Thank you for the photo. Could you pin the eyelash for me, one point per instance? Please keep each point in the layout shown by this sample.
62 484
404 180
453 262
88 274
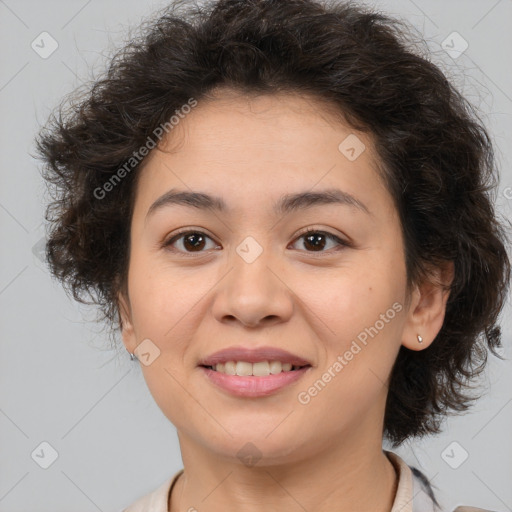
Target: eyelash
186 231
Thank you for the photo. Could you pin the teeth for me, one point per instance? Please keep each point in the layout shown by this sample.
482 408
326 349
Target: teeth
243 368
229 368
260 369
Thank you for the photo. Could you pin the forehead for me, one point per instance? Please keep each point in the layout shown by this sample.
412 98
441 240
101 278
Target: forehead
241 121
255 148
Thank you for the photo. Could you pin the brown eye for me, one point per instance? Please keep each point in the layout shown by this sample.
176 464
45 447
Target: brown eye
191 241
316 241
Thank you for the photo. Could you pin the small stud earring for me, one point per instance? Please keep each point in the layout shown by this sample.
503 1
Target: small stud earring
420 339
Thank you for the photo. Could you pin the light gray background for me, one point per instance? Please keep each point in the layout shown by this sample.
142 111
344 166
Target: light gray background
59 382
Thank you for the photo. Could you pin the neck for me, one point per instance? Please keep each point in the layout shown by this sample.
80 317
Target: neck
343 478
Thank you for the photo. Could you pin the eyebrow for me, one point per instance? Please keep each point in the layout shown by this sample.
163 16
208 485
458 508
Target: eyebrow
286 204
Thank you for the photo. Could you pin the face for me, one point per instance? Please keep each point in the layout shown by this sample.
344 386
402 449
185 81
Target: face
205 279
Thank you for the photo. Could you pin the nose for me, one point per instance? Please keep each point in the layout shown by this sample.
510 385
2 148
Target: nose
253 293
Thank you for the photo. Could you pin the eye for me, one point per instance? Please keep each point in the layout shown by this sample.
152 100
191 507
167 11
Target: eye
191 241
195 241
317 240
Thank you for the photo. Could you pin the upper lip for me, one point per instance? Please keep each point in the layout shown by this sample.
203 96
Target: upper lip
253 356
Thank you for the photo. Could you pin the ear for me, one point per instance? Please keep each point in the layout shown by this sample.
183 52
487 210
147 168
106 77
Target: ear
427 308
127 330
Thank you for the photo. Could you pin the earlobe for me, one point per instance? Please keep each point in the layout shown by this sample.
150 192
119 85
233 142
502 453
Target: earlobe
427 308
126 324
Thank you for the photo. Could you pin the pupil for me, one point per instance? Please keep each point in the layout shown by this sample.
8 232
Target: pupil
312 238
191 237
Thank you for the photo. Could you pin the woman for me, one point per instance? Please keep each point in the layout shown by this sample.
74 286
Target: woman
285 212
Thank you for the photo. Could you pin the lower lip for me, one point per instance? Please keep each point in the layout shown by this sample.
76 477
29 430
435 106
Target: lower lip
252 386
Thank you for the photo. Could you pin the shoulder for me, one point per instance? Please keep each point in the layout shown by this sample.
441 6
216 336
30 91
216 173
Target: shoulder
155 501
426 487
415 493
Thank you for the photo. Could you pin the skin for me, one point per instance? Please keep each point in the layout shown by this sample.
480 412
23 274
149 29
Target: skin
251 151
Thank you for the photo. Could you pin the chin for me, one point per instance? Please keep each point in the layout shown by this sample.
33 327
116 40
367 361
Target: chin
259 446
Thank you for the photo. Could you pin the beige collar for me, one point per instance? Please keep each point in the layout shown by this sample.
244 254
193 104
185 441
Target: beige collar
411 495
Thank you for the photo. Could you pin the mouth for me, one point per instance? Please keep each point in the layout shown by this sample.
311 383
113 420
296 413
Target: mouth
257 369
252 386
255 372
232 360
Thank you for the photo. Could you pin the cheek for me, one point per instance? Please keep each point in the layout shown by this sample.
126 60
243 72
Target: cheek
360 348
362 317
160 296
349 300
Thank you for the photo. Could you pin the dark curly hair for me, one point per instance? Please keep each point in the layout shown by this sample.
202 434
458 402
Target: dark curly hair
436 159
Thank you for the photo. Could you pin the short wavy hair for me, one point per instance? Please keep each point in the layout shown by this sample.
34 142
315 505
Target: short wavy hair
435 154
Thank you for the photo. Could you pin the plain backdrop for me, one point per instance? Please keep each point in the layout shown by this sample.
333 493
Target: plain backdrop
69 402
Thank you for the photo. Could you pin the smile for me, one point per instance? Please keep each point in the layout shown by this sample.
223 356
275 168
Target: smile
253 384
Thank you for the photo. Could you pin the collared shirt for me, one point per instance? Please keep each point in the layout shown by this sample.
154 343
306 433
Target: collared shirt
413 494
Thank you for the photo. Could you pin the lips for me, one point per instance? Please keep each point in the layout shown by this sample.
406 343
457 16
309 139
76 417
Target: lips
253 356
253 387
